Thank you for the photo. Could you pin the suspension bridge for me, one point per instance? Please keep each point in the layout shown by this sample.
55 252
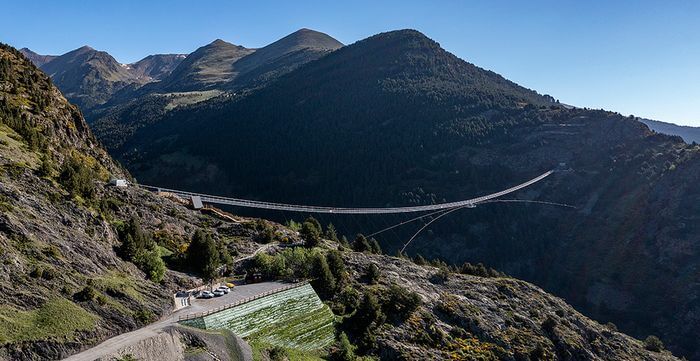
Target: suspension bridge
433 210
467 203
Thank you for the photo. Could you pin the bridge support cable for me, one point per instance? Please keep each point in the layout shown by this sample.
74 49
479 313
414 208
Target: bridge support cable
444 213
341 210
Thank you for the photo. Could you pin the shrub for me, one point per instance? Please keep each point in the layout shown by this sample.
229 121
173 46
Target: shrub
441 276
265 232
139 248
88 293
373 274
152 264
549 324
400 303
344 351
653 343
278 353
144 316
77 178
45 167
374 246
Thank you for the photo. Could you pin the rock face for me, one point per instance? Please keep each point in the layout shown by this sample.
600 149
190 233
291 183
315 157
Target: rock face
468 318
156 67
396 120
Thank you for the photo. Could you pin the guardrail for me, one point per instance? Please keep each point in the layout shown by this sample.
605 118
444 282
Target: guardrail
191 316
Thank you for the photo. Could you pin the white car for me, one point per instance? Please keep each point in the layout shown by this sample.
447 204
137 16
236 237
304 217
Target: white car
206 294
225 289
218 293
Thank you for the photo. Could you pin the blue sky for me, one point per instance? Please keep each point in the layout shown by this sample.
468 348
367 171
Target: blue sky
636 57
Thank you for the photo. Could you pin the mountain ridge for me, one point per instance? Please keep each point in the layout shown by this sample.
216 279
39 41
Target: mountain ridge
395 120
70 284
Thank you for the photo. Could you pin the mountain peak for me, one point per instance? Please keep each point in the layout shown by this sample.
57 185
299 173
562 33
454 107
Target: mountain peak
306 37
85 48
37 59
220 42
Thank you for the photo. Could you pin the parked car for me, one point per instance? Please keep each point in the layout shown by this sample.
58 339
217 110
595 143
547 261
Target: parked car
225 289
230 285
206 294
218 293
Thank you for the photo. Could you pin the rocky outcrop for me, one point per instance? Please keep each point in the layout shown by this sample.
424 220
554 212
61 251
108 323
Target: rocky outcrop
465 317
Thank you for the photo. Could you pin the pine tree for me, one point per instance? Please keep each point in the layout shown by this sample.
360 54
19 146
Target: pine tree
337 266
361 244
310 233
203 255
374 246
325 281
331 233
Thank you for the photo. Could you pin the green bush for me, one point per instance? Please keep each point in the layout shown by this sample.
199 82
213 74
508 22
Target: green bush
361 244
400 303
373 274
311 232
77 178
653 343
88 293
139 248
344 350
324 281
144 316
278 353
337 266
265 233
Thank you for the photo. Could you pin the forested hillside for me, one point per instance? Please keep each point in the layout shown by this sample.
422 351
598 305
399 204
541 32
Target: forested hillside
395 120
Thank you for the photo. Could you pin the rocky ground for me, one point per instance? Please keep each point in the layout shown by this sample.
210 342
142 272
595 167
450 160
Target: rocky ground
467 317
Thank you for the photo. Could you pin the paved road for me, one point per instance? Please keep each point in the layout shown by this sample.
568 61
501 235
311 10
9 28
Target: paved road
113 345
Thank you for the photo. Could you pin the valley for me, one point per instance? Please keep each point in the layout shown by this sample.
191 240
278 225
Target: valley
595 259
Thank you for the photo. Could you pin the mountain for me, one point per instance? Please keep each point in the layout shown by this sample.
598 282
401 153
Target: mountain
88 77
156 67
689 134
207 66
396 120
134 107
35 58
283 56
69 282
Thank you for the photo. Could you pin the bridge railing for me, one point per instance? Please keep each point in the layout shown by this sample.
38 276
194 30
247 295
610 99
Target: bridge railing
191 316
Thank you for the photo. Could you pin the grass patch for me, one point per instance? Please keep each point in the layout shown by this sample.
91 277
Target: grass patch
117 284
57 318
164 252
